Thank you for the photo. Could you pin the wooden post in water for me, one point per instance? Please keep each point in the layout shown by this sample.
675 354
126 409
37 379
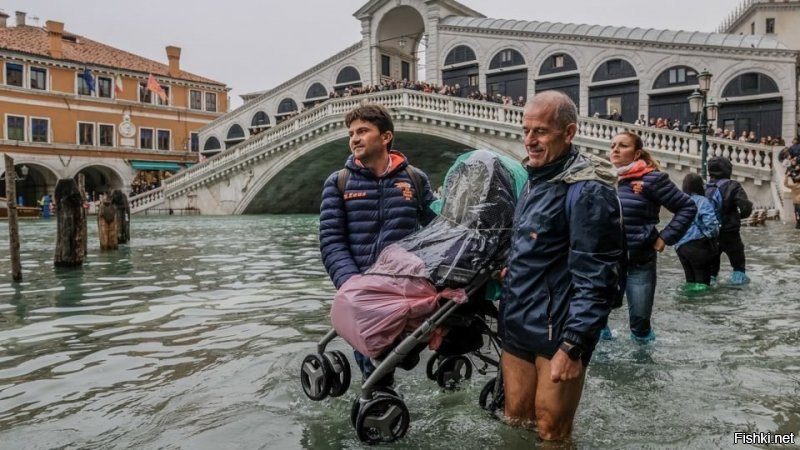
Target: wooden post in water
69 206
84 212
13 229
120 202
107 224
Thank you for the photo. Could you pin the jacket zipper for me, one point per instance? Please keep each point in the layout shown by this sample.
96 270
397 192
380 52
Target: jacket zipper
378 241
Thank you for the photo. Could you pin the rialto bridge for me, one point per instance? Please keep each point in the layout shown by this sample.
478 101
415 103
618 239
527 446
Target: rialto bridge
273 153
281 170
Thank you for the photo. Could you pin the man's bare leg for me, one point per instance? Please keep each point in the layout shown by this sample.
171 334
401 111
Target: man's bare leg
556 403
519 385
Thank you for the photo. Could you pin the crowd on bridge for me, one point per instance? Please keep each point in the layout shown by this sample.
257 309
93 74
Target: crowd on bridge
454 90
722 133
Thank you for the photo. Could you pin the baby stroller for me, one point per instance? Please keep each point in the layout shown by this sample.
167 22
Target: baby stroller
430 286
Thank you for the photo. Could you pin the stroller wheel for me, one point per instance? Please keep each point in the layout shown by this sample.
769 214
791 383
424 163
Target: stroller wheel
432 366
492 397
315 376
382 392
383 419
340 373
452 370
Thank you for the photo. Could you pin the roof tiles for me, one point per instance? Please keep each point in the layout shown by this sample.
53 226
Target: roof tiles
36 41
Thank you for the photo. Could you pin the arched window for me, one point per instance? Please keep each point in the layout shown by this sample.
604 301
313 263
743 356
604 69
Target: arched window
287 106
614 69
235 133
212 143
676 76
750 83
348 75
317 90
260 119
460 54
507 58
558 62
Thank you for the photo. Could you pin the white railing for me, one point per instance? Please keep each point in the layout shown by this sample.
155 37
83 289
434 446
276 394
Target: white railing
146 200
749 160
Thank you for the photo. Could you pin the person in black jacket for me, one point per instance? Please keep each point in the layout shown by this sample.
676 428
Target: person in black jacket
643 189
379 205
732 204
563 268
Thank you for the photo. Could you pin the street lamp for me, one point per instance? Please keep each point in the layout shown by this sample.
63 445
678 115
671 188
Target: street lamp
23 174
704 112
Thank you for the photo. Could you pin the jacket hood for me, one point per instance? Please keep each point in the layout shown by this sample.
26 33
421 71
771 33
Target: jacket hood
719 167
586 167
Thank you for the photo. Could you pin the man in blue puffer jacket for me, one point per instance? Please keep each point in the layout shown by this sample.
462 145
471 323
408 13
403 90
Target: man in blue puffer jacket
563 270
379 205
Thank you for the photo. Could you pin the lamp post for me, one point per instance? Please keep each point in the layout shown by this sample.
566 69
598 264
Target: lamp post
704 112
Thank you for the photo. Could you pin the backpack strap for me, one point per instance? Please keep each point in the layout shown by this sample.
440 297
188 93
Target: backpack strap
342 178
416 180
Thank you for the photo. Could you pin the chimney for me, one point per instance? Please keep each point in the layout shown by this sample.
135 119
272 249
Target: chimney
3 17
20 19
55 31
174 57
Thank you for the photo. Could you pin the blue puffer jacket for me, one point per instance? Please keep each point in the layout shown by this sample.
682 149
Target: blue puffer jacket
643 191
562 271
705 224
375 212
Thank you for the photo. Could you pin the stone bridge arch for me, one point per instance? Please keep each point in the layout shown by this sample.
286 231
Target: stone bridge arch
292 183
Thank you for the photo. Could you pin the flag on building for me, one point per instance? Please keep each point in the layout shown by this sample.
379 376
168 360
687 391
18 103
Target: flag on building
88 78
153 86
118 85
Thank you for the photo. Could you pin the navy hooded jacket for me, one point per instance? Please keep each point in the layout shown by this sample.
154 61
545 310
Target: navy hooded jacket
372 213
643 191
735 204
562 271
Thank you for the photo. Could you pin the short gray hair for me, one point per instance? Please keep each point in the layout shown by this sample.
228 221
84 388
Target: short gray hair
566 112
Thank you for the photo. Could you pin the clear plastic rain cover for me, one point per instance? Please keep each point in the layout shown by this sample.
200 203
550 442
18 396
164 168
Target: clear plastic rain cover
402 288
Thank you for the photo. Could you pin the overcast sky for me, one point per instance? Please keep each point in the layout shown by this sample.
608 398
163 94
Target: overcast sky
255 45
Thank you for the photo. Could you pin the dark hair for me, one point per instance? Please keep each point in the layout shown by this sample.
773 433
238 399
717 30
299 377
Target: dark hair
373 113
693 184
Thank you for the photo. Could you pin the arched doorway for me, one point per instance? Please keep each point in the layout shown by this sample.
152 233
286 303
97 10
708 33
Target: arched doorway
100 180
507 75
33 182
400 44
621 96
460 70
752 102
669 98
559 72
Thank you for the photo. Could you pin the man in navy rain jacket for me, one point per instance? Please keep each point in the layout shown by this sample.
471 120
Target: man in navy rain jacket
563 271
378 207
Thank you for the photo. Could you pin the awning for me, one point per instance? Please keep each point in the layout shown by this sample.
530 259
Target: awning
156 165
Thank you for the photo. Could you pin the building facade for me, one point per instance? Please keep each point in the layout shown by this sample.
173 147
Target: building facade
71 105
635 71
775 18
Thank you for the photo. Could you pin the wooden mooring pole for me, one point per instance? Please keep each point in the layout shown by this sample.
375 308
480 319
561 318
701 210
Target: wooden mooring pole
123 209
84 231
70 215
107 224
13 228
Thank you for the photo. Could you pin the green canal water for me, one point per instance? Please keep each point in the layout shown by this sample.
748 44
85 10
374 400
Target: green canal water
192 336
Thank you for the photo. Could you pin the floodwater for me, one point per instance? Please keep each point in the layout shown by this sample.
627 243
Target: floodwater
192 336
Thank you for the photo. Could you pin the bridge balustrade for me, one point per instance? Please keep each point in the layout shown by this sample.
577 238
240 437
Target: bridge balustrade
671 147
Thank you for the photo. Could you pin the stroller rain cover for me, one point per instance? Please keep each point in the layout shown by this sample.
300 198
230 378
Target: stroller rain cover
402 288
